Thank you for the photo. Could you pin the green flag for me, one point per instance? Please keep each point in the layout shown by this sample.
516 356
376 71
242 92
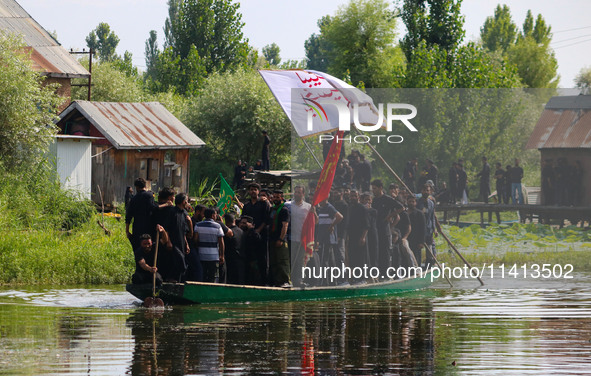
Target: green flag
226 195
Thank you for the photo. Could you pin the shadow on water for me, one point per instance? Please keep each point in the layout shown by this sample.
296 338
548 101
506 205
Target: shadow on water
507 328
369 336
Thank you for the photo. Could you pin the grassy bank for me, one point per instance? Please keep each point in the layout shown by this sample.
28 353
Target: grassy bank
50 236
84 255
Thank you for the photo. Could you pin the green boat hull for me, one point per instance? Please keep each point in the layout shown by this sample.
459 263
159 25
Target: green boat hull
203 293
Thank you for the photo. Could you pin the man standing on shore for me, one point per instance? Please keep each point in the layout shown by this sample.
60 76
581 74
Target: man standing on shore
265 154
484 176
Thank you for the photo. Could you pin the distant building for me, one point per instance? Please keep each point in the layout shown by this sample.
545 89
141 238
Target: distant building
49 58
136 140
564 132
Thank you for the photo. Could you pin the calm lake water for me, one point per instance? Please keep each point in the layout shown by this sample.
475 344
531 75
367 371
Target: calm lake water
508 327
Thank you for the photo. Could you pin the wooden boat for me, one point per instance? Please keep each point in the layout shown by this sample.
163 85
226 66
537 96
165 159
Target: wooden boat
201 292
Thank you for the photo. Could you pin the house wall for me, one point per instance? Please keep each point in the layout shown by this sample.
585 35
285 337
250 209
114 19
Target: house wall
572 155
114 170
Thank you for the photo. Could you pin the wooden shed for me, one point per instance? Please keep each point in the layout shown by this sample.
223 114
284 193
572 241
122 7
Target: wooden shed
138 140
48 57
563 135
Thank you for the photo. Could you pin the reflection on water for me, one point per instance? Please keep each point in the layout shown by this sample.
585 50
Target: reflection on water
368 336
465 331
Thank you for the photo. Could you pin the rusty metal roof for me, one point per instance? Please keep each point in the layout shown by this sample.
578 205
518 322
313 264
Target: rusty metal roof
565 123
147 125
48 56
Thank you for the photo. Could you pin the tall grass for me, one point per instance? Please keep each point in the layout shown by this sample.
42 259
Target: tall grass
50 236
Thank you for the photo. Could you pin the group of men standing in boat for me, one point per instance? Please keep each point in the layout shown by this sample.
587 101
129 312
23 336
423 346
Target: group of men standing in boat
262 246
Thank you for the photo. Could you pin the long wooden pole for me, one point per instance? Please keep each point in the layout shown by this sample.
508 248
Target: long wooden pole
407 188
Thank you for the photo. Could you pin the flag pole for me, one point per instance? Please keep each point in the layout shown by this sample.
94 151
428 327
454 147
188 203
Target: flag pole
408 189
311 152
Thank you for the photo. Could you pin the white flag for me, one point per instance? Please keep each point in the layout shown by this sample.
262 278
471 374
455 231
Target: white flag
312 99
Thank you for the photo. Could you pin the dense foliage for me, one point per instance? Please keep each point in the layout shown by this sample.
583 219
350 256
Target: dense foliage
229 116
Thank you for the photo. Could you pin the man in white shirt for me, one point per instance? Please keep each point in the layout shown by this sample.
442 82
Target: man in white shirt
298 210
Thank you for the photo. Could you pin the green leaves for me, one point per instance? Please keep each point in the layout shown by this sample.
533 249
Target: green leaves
28 108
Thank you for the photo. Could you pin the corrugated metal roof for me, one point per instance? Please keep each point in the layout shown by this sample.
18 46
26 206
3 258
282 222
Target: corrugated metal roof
48 56
147 125
565 123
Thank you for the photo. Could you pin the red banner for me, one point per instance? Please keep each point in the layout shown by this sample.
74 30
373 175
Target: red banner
322 191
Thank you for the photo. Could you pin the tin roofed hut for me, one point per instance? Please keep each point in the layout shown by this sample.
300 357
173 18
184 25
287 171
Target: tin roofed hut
563 136
138 140
48 57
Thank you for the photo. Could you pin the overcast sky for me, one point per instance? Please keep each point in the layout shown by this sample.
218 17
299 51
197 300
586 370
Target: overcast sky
290 23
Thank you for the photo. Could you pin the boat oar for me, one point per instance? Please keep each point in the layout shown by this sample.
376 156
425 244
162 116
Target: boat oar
457 252
437 263
153 301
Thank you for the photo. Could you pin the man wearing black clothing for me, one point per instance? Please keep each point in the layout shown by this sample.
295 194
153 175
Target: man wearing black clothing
140 210
500 182
336 197
507 197
416 238
144 258
177 228
357 227
515 175
279 260
265 152
386 208
410 173
401 222
239 174
233 252
372 232
484 176
452 176
259 211
462 183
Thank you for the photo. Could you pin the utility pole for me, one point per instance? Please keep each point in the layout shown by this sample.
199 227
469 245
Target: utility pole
89 85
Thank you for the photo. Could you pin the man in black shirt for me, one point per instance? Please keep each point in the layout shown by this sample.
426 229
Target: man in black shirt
372 232
516 174
500 182
140 210
259 211
279 260
410 172
386 209
484 176
357 227
265 153
144 258
416 238
233 252
336 197
453 182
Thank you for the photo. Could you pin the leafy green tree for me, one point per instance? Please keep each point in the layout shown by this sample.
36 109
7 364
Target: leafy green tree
110 84
201 37
28 109
536 64
151 53
434 22
528 50
103 41
229 115
499 31
583 80
271 52
359 39
318 48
